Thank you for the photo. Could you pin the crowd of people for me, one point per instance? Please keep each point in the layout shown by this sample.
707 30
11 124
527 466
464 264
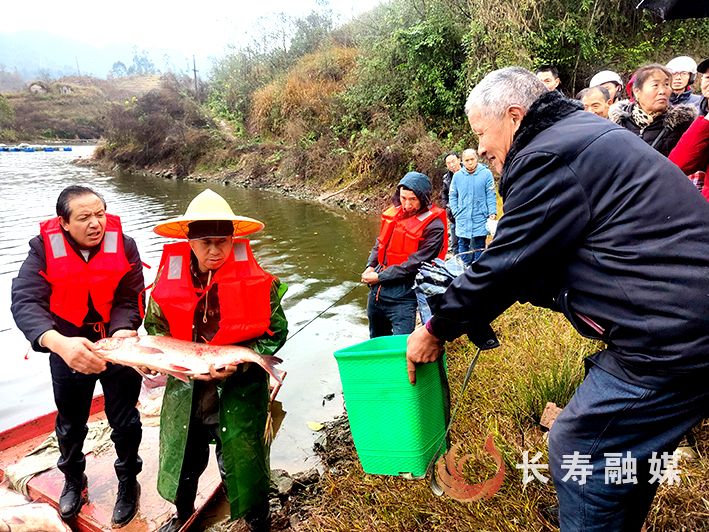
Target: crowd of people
601 223
661 108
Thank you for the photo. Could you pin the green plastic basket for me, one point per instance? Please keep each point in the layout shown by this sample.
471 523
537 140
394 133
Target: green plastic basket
396 427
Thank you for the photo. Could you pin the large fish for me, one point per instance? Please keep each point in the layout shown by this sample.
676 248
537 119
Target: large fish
180 358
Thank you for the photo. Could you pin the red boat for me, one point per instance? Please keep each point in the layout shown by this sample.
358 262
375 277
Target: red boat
95 516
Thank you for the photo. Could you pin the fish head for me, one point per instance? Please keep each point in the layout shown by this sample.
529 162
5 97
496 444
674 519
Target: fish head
115 343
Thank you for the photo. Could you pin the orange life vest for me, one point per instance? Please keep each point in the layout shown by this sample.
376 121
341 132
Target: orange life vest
399 238
244 294
73 280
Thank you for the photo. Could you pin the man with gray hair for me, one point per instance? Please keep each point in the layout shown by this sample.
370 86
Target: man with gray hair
603 228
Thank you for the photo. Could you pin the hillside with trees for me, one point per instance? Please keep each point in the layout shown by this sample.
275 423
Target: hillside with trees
328 106
360 104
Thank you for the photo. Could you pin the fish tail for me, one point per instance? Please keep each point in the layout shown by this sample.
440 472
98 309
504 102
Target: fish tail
272 360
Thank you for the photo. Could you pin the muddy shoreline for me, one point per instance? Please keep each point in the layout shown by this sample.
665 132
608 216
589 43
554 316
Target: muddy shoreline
346 199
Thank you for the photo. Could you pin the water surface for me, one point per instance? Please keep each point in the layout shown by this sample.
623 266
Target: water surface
314 248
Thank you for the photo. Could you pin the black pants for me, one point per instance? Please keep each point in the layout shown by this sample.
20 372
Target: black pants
73 393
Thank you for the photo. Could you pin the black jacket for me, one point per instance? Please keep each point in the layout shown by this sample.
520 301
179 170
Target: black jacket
445 190
669 127
597 224
31 292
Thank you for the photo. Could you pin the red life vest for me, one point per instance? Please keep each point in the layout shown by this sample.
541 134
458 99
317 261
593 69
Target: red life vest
399 238
244 294
73 279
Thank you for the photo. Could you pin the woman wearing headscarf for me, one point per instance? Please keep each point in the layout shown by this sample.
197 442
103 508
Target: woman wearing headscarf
650 116
210 289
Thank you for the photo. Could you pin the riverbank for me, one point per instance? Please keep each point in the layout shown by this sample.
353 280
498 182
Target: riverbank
375 199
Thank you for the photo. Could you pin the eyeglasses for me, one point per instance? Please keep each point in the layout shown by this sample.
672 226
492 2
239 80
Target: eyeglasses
682 74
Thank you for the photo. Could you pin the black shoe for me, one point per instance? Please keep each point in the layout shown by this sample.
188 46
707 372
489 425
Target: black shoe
173 525
259 518
126 503
74 495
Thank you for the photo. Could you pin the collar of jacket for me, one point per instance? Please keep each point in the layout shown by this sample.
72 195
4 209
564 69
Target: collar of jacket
674 116
546 110
72 243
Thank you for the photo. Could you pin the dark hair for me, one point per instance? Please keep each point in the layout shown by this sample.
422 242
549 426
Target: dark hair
548 68
70 193
644 72
449 154
605 92
582 93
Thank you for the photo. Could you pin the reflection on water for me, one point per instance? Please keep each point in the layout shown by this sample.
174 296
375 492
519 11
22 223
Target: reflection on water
315 249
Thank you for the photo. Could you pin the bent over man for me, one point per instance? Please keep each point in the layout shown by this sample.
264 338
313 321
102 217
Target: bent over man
413 231
602 227
81 282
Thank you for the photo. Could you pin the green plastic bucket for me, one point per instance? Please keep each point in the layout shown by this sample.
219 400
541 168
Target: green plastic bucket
396 427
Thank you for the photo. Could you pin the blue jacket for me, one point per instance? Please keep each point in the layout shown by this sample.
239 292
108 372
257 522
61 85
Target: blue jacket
472 201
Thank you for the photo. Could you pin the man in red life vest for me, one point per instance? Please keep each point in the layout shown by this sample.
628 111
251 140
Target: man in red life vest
80 282
413 231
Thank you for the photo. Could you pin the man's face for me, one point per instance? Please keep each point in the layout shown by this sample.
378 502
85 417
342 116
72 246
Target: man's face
453 163
549 80
87 221
680 80
612 87
470 161
211 253
409 202
705 84
495 135
595 103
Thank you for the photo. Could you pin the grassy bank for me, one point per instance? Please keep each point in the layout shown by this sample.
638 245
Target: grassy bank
539 351
73 107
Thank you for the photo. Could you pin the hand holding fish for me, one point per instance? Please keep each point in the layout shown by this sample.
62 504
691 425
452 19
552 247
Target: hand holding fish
220 374
77 352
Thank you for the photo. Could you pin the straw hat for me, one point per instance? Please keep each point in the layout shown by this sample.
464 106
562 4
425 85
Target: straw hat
208 205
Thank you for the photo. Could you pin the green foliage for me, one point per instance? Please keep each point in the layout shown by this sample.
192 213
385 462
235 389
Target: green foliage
7 114
556 384
119 69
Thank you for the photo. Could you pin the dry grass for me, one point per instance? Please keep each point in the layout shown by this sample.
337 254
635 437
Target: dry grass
532 341
305 94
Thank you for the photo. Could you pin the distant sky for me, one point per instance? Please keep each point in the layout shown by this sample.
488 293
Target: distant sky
192 27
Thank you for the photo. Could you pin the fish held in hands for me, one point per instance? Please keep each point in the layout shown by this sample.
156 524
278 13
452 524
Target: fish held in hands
180 358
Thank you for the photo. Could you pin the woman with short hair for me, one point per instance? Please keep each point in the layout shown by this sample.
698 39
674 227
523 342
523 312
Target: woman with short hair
650 116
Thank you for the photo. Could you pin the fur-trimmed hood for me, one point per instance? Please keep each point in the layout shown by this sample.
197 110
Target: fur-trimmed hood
621 111
546 110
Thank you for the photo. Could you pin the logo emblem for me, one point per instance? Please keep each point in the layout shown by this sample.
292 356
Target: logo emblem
454 484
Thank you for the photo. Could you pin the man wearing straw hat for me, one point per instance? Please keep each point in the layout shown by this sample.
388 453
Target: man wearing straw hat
210 289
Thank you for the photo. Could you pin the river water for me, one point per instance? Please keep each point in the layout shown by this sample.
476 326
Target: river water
314 248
